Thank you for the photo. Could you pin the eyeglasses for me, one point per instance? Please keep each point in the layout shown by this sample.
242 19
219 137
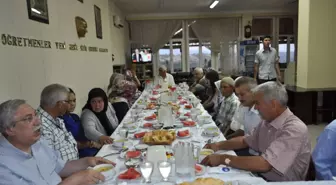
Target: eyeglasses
28 119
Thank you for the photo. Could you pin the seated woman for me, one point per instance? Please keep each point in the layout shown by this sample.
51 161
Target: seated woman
121 93
98 117
213 94
72 122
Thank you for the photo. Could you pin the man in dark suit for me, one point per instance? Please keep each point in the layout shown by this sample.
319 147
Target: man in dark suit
136 57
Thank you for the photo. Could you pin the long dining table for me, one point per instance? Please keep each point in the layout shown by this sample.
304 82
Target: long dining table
196 138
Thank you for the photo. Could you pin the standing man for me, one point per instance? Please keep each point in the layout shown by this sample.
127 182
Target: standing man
266 64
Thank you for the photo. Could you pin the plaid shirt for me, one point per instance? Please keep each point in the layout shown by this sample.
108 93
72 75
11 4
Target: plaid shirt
225 112
57 136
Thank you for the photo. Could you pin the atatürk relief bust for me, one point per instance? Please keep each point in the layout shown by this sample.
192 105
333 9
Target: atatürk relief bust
81 27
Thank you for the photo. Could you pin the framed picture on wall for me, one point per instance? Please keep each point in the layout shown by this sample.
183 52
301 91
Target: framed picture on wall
99 31
38 10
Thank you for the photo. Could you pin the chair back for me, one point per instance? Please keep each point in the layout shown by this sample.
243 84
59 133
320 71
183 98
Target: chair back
311 173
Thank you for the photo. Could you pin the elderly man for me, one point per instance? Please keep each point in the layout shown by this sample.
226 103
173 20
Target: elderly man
200 83
54 103
246 117
281 138
228 106
26 159
165 79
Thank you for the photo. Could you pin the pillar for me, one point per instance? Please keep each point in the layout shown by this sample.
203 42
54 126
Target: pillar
316 63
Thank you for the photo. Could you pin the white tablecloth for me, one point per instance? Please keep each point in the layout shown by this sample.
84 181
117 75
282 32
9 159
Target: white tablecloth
196 136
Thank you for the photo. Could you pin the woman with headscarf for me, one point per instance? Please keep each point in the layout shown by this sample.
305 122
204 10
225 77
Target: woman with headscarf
122 86
121 94
98 118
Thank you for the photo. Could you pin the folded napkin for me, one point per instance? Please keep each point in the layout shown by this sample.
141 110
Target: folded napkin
222 169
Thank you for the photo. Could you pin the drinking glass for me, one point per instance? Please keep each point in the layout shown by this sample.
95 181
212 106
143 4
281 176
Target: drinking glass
164 168
123 133
146 169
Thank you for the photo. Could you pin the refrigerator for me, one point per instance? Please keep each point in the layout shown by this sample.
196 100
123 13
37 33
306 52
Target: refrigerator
248 49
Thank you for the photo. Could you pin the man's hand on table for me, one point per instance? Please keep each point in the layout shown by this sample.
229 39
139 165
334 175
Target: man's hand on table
213 146
84 177
213 160
94 161
105 140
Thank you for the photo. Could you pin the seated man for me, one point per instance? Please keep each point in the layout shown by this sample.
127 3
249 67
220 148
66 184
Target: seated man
164 79
54 103
27 159
246 117
227 108
281 138
324 155
200 84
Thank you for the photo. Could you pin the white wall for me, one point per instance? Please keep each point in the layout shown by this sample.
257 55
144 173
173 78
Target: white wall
25 71
120 46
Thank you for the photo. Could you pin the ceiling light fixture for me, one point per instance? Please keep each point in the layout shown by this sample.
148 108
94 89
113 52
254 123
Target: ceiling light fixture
178 31
213 4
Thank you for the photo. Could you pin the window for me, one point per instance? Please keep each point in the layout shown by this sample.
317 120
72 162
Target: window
286 50
194 55
164 56
206 56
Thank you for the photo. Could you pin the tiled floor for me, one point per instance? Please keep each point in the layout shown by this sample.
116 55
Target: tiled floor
315 131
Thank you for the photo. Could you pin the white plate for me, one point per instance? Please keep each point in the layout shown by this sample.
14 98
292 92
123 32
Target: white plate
202 172
190 134
211 131
119 143
141 147
107 174
122 155
206 152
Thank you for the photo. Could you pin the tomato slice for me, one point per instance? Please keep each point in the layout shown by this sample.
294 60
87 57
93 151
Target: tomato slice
183 133
198 168
139 135
133 154
146 125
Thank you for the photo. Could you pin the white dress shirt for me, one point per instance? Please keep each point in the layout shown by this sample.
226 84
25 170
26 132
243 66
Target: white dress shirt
165 82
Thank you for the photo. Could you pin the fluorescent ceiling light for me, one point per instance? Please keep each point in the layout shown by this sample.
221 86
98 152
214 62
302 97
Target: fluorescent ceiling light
36 11
178 31
213 4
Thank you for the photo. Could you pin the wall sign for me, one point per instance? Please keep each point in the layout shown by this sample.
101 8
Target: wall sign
9 40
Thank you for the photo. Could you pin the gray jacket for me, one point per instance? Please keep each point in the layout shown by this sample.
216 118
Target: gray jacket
93 129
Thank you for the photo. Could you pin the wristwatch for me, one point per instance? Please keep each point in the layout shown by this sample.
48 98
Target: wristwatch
227 161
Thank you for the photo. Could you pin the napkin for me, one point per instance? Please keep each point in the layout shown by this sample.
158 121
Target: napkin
223 169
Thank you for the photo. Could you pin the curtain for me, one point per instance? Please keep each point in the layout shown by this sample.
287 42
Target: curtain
154 33
221 33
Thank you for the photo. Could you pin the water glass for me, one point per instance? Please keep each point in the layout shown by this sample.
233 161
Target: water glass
123 133
146 170
165 169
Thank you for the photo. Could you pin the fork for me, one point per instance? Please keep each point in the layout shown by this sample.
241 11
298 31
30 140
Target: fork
114 153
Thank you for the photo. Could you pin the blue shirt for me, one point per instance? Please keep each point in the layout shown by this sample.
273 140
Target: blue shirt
324 155
20 168
73 125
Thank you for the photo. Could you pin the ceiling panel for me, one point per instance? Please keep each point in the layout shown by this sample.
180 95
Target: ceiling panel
184 6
